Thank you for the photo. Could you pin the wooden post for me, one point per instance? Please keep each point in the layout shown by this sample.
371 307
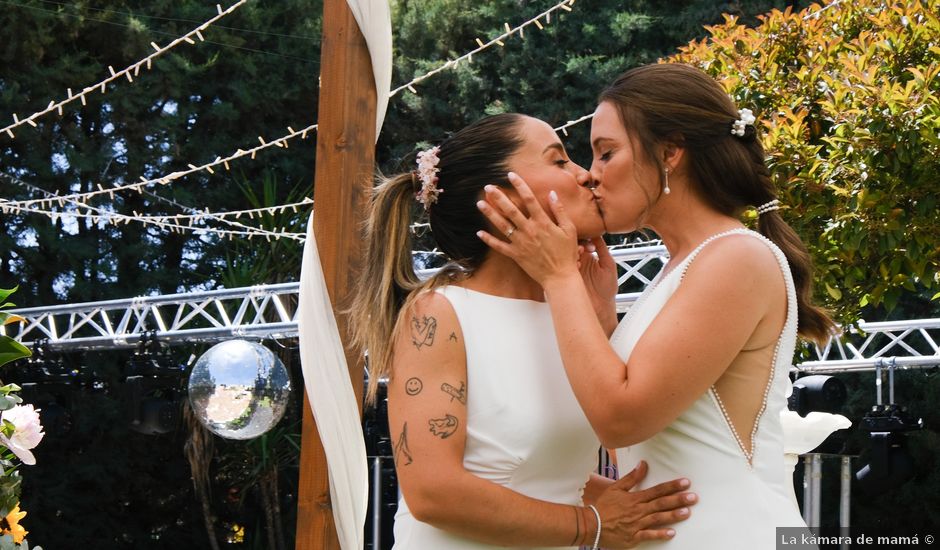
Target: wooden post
345 165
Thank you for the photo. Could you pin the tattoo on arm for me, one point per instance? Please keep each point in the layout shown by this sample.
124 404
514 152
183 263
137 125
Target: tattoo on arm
414 386
460 394
402 454
453 336
422 331
443 427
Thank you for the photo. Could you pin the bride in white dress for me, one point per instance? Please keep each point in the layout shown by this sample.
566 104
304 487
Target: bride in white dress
695 377
490 445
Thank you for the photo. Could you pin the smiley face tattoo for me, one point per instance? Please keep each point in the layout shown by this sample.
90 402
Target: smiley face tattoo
413 386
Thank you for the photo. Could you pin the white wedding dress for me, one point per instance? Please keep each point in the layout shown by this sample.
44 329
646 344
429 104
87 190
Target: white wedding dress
743 497
525 429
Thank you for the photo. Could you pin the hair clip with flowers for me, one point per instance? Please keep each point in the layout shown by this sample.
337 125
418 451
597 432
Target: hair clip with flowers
747 119
427 173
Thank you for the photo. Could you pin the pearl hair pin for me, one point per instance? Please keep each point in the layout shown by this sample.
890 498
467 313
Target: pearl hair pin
768 207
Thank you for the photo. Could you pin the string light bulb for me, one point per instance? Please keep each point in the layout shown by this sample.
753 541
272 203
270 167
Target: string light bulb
57 106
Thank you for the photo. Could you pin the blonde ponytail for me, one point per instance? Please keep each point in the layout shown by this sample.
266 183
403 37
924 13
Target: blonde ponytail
387 275
387 282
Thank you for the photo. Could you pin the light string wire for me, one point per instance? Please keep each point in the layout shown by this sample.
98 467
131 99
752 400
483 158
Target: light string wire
196 216
564 127
282 141
452 63
172 223
167 178
220 216
127 73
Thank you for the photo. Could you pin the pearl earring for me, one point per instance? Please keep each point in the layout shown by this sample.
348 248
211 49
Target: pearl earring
666 189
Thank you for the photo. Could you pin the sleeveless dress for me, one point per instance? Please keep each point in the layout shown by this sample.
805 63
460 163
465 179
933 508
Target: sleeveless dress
525 429
743 497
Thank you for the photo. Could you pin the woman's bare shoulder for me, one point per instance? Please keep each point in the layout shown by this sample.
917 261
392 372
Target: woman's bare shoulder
738 263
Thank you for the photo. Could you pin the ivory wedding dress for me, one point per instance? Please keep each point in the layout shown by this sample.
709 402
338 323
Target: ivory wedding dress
743 497
525 429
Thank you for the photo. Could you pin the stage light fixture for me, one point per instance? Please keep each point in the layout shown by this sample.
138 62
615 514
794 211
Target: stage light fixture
820 393
890 463
44 367
817 393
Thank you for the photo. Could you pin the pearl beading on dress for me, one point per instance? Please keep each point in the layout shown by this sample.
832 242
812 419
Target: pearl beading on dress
791 310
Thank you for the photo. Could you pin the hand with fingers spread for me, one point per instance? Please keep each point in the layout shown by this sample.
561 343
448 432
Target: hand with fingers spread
543 247
631 517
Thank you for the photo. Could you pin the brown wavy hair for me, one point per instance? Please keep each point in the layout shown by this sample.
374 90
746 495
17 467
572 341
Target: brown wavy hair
681 104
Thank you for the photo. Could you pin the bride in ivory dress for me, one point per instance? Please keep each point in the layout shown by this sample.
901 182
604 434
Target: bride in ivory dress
694 378
490 445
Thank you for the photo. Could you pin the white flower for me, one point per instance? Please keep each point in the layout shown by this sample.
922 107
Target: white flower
27 434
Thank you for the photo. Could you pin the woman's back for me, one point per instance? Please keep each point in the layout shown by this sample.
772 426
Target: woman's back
737 465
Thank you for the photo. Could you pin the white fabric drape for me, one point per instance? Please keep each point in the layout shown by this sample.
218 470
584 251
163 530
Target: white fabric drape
322 358
331 396
375 23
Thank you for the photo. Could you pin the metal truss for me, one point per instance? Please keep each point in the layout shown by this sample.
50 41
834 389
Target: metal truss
267 311
898 345
638 267
264 311
270 312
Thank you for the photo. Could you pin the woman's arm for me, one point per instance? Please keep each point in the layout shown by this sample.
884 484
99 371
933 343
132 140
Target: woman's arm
427 415
680 355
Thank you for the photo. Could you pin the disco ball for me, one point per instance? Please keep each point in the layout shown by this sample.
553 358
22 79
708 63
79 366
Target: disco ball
239 389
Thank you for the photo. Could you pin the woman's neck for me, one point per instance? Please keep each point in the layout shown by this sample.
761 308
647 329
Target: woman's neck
501 276
686 223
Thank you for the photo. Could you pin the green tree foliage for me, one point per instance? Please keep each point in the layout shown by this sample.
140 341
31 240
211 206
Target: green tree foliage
255 75
554 74
10 349
850 103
